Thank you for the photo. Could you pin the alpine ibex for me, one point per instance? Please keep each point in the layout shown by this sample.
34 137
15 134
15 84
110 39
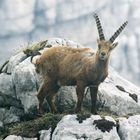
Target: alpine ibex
75 66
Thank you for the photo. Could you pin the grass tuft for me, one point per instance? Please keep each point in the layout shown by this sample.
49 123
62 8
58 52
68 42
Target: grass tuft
82 116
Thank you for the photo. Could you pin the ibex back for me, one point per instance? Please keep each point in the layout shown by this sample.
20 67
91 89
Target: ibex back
75 66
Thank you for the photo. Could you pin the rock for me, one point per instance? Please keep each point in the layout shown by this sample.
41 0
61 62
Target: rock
8 100
1 129
63 42
24 79
11 114
113 99
129 129
14 61
66 99
45 134
1 124
70 129
6 85
13 137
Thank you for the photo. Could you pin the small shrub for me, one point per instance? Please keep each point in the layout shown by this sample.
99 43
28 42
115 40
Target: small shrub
104 125
82 116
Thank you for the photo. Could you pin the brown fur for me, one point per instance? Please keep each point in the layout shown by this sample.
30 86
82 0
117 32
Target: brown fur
72 66
75 66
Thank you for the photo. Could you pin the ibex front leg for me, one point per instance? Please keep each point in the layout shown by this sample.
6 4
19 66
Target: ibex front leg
80 95
93 93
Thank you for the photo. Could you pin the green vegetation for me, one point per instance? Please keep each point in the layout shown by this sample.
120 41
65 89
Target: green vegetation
31 49
83 116
108 113
32 127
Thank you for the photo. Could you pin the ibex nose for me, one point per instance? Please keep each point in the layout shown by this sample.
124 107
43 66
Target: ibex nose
103 53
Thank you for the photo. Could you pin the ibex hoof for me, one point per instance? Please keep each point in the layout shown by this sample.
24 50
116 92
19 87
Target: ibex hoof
40 113
77 110
94 112
54 112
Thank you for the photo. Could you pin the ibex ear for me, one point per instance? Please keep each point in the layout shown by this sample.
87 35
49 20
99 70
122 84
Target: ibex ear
114 45
34 57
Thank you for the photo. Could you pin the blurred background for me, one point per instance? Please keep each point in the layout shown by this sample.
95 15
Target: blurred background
27 21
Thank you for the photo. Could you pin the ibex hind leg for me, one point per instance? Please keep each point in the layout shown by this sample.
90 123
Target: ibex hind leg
93 93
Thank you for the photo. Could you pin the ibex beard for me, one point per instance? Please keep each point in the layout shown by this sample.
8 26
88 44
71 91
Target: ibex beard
80 67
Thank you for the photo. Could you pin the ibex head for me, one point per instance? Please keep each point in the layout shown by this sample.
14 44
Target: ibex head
106 46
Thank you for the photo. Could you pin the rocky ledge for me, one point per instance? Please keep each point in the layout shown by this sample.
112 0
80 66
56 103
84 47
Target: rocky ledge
18 88
94 127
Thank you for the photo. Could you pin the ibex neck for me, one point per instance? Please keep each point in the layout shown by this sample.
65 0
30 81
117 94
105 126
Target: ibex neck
102 67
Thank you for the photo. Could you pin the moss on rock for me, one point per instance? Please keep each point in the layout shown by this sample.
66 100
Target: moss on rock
31 128
83 116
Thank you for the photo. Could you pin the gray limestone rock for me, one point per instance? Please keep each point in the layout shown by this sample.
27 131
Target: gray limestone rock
14 137
24 79
10 114
45 134
69 128
118 100
129 128
6 85
14 61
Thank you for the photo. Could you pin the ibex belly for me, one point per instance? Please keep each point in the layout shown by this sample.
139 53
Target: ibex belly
66 82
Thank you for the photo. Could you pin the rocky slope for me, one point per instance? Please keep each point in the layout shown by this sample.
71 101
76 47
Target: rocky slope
93 127
25 21
18 88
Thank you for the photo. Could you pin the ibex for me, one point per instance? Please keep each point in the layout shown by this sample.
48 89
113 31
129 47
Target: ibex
75 66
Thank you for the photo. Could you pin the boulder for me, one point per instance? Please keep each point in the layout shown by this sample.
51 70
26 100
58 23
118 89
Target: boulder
1 124
45 134
14 137
93 128
63 42
24 79
129 128
66 98
118 95
6 85
7 101
10 115
14 61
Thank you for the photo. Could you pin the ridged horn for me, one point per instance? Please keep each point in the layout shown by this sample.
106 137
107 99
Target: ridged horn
116 34
99 27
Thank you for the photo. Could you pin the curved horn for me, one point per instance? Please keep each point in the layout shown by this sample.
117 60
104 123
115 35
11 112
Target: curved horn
99 27
118 32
